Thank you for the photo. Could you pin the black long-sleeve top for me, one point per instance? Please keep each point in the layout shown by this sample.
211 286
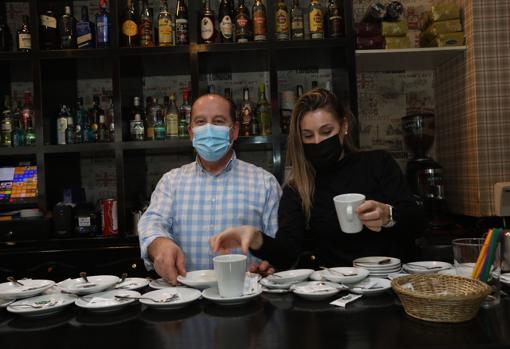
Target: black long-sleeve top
372 173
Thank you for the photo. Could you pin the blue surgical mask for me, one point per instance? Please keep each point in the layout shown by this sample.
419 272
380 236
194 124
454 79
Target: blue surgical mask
211 141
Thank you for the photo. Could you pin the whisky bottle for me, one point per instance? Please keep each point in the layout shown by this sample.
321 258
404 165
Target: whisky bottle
259 21
282 21
264 112
102 26
62 125
246 114
225 21
242 23
172 118
165 26
48 32
66 28
102 130
18 138
184 114
316 20
24 37
335 20
146 27
181 23
136 128
81 117
207 27
70 134
297 21
129 30
286 107
84 30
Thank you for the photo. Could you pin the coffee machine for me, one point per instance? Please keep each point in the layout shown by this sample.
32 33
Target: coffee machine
423 174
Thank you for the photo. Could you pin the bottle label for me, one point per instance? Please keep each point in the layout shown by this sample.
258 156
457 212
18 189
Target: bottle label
25 41
84 36
297 26
84 222
146 32
172 124
48 21
61 130
102 29
259 25
6 127
206 28
316 23
246 114
226 27
282 22
181 30
129 28
165 32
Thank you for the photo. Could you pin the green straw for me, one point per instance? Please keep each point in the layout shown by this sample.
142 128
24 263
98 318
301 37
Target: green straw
491 254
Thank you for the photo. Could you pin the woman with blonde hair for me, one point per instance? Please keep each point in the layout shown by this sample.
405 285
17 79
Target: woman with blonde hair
324 163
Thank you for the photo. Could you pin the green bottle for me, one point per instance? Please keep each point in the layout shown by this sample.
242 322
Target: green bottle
264 112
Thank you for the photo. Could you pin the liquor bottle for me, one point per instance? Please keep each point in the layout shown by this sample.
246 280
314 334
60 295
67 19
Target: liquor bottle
335 20
84 30
48 30
207 27
246 114
136 129
225 20
159 121
62 125
243 23
24 37
81 117
316 20
374 13
6 129
26 110
66 29
181 23
146 27
30 136
102 26
282 21
287 105
102 130
264 112
394 11
5 32
297 21
185 108
129 31
172 118
165 26
259 21
70 133
94 113
299 90
111 132
110 122
18 133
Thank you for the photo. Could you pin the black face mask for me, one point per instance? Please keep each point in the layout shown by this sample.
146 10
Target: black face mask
324 154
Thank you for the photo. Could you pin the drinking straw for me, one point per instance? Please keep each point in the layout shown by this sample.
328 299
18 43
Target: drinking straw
484 257
491 255
483 252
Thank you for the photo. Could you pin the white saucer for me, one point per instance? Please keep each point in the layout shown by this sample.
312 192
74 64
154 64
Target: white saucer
275 290
273 285
106 301
79 286
334 274
159 284
30 288
371 263
396 275
426 267
316 290
212 294
199 279
50 304
132 284
295 275
5 302
186 295
385 285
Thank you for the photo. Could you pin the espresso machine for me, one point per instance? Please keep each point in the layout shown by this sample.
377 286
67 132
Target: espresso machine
423 174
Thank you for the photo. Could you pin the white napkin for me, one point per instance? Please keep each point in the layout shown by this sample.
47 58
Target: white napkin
343 301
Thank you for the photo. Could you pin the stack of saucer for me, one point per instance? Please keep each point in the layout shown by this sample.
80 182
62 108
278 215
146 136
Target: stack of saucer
379 266
282 281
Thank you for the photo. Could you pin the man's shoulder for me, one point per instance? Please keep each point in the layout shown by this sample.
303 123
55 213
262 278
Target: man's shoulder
254 170
178 172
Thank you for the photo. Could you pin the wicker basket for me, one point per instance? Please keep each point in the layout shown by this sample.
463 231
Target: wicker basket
440 298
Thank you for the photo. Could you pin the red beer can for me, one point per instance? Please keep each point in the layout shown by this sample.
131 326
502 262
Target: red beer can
109 216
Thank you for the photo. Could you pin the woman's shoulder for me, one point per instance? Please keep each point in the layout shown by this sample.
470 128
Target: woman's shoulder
377 156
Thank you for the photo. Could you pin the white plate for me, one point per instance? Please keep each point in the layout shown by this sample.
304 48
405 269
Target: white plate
396 275
334 274
316 290
385 285
30 288
212 294
106 301
448 272
58 302
5 302
296 275
426 267
159 284
275 290
186 295
199 279
370 263
273 285
132 284
78 285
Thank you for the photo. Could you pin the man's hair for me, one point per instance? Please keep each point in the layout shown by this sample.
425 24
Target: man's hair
231 105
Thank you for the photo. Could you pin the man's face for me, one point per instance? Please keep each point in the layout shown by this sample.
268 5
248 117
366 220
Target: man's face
214 110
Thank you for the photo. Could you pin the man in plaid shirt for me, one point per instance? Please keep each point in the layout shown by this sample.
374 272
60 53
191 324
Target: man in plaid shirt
196 201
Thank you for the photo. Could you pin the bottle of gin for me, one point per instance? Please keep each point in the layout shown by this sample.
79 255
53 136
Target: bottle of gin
84 30
102 26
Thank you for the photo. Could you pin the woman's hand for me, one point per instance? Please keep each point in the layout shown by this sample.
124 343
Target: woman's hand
245 237
373 214
264 268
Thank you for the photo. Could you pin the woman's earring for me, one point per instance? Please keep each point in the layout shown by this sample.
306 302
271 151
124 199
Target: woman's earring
345 133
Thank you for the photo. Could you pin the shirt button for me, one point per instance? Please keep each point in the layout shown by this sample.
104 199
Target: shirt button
213 199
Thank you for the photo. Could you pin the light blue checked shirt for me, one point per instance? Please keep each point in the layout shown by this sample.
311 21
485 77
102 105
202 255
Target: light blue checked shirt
189 206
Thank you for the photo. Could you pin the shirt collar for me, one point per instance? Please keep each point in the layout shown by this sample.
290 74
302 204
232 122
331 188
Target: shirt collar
228 167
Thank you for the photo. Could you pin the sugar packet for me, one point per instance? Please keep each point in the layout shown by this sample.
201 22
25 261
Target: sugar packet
343 301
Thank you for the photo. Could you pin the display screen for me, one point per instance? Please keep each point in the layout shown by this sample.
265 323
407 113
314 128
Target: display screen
18 184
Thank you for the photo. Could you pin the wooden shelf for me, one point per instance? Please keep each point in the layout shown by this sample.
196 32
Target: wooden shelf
15 56
9 151
405 59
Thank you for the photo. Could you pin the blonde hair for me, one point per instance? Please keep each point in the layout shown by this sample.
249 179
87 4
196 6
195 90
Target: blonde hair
302 174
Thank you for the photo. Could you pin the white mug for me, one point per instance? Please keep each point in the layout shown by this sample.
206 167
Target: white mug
345 206
230 272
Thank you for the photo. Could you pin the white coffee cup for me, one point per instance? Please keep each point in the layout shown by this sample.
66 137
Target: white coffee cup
230 272
345 206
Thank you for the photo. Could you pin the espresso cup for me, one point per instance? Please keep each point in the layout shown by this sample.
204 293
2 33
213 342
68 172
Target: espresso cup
230 272
345 206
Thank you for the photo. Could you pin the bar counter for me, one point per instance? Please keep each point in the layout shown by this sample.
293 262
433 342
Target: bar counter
271 321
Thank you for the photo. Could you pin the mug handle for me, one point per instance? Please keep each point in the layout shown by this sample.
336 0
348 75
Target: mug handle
349 213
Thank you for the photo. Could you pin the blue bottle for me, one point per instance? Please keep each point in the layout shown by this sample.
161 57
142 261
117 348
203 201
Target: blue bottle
84 30
102 26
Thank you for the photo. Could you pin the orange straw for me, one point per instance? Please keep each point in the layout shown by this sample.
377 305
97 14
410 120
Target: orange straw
481 257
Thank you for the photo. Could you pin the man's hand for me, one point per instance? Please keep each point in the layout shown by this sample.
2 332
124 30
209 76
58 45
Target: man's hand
168 259
373 214
245 237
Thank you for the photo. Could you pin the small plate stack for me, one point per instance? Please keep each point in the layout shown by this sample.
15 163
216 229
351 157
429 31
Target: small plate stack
282 281
426 267
379 266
